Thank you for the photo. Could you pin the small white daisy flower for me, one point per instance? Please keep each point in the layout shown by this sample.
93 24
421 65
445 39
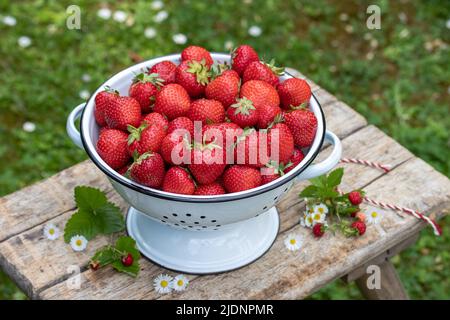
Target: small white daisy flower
28 126
309 221
150 33
229 45
447 24
51 231
24 41
84 94
293 242
254 31
86 77
104 13
180 282
78 243
160 16
9 21
157 5
318 217
373 217
162 283
179 38
120 16
320 208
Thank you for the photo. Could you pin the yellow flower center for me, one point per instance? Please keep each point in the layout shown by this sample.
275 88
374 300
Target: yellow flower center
310 220
374 214
51 231
317 216
79 242
321 210
164 283
292 241
311 210
180 282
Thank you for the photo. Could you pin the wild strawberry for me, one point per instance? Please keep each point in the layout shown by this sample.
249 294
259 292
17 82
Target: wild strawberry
148 169
176 148
207 162
241 57
165 70
258 70
103 101
319 230
280 135
360 216
193 76
355 198
207 111
243 113
239 178
156 118
260 93
267 115
296 157
144 89
145 138
196 53
172 101
360 226
294 92
127 260
178 180
112 147
224 88
122 112
211 189
94 265
303 125
181 123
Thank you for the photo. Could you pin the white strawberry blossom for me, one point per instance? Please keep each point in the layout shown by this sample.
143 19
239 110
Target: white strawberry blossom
179 38
320 208
9 21
120 16
28 126
254 31
104 13
157 5
150 33
161 16
24 41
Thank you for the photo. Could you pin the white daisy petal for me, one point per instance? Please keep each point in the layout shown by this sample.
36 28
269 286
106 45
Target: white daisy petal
104 13
309 221
157 5
51 232
254 31
84 94
120 16
293 242
179 38
321 208
78 243
150 33
162 283
373 216
160 16
9 21
24 41
28 126
180 282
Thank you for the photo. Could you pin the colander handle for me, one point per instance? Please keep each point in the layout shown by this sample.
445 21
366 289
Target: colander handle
329 163
72 130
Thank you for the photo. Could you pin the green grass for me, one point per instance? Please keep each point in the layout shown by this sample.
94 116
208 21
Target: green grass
397 77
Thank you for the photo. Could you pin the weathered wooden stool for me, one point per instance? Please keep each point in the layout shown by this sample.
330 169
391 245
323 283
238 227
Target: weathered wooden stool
44 269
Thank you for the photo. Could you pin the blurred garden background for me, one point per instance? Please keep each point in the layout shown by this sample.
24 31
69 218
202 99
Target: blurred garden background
398 77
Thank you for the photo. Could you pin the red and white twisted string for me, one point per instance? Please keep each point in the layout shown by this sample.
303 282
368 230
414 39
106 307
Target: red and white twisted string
386 168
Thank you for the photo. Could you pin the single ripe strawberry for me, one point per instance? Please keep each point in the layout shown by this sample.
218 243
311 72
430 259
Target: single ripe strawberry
243 113
211 189
145 138
258 70
144 89
193 76
359 226
224 135
207 163
355 198
172 101
103 100
94 265
207 111
267 115
296 157
165 70
303 126
239 178
123 111
260 93
294 92
196 53
319 230
148 170
176 148
280 143
251 148
241 57
156 118
178 180
224 88
127 260
231 72
112 148
181 123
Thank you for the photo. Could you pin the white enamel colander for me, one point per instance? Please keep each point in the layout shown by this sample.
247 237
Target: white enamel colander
236 228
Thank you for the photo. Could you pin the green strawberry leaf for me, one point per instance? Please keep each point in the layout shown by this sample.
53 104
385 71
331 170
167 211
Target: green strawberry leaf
89 199
109 219
309 192
105 256
81 223
335 177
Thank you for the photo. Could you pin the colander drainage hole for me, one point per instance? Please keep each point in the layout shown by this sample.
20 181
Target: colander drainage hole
212 221
174 214
275 199
182 221
218 226
163 221
265 208
285 189
196 222
202 217
177 224
204 227
165 217
188 214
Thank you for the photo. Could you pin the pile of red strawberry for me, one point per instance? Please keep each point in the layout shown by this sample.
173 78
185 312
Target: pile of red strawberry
140 132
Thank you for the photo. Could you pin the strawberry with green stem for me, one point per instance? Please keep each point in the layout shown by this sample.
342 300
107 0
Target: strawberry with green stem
148 169
193 76
144 89
259 70
243 113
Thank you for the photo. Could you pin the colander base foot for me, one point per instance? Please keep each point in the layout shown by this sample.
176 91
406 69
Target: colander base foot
203 252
